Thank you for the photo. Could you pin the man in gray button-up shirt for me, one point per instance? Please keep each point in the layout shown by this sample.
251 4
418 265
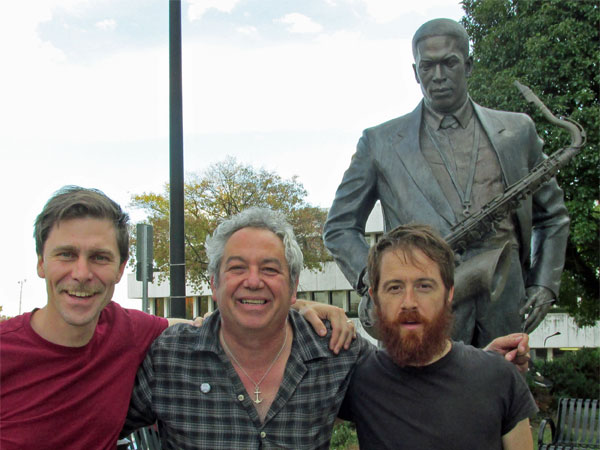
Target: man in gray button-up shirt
254 375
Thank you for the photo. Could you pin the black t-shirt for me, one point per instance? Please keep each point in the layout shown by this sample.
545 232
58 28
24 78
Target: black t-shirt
467 400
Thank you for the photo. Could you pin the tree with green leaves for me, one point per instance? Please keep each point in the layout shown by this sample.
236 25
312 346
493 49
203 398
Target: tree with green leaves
552 47
2 316
222 190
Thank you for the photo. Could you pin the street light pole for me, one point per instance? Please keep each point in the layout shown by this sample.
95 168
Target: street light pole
552 335
176 176
21 283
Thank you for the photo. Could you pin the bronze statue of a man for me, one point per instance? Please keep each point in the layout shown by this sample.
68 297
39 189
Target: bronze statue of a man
441 162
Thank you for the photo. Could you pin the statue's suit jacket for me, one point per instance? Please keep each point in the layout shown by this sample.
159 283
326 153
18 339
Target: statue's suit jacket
389 166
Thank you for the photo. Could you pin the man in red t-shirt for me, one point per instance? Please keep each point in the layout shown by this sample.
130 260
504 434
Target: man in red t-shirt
67 369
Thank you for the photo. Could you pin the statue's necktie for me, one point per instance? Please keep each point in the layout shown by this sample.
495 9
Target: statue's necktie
448 122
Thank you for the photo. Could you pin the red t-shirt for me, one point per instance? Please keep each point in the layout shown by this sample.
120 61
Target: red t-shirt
58 398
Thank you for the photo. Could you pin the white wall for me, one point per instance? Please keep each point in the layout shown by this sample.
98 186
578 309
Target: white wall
570 334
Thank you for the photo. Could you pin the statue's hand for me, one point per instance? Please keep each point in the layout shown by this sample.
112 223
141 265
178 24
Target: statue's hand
539 301
366 308
363 283
366 314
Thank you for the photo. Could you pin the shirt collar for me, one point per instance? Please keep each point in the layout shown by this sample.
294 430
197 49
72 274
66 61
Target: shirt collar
462 115
307 341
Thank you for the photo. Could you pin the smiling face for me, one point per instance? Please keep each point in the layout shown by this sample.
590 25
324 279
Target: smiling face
442 70
81 265
413 307
253 291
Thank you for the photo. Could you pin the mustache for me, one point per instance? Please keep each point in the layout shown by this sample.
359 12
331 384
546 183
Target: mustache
409 316
82 288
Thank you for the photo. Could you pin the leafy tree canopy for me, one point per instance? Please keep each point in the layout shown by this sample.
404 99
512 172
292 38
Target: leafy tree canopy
552 47
222 190
2 316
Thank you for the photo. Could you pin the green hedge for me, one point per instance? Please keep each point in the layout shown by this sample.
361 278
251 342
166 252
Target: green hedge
573 374
344 435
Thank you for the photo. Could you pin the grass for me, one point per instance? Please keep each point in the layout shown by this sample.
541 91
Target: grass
535 426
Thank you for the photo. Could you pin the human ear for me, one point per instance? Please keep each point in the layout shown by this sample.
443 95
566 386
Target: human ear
40 267
414 66
468 66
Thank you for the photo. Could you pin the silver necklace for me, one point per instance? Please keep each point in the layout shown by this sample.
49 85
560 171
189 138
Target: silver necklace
257 392
465 196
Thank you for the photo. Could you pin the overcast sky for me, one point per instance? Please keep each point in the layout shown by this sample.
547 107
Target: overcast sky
284 85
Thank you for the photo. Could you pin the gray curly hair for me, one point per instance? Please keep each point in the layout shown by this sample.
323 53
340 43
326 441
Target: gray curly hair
255 217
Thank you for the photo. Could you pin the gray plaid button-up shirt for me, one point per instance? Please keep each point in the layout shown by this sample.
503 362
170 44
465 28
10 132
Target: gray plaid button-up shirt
188 385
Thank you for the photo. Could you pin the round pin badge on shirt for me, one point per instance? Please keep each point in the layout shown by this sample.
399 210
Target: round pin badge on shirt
205 388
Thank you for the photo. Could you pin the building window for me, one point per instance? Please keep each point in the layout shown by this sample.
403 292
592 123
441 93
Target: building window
354 301
203 305
338 298
321 297
303 295
159 307
189 307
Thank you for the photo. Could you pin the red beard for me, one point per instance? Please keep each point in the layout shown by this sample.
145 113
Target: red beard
415 348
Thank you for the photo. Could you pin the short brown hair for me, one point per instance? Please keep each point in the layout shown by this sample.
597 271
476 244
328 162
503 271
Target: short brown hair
408 238
74 202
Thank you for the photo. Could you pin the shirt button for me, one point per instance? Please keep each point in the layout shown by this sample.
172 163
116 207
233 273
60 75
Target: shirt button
241 398
263 434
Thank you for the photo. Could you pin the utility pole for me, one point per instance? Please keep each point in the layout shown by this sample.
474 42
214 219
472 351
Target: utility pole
21 283
176 232
144 255
556 333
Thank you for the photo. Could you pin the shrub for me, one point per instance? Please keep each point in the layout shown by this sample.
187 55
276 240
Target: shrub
573 374
344 434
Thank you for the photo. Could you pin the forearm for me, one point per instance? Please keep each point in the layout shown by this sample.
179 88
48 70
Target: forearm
344 231
349 250
519 438
301 304
549 232
175 320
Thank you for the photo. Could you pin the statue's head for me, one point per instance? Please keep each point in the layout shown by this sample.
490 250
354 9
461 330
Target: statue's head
442 63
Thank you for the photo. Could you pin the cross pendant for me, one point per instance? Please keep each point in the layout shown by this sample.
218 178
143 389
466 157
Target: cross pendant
256 392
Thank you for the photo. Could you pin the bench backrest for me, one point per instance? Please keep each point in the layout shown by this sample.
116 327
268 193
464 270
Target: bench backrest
578 421
146 439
